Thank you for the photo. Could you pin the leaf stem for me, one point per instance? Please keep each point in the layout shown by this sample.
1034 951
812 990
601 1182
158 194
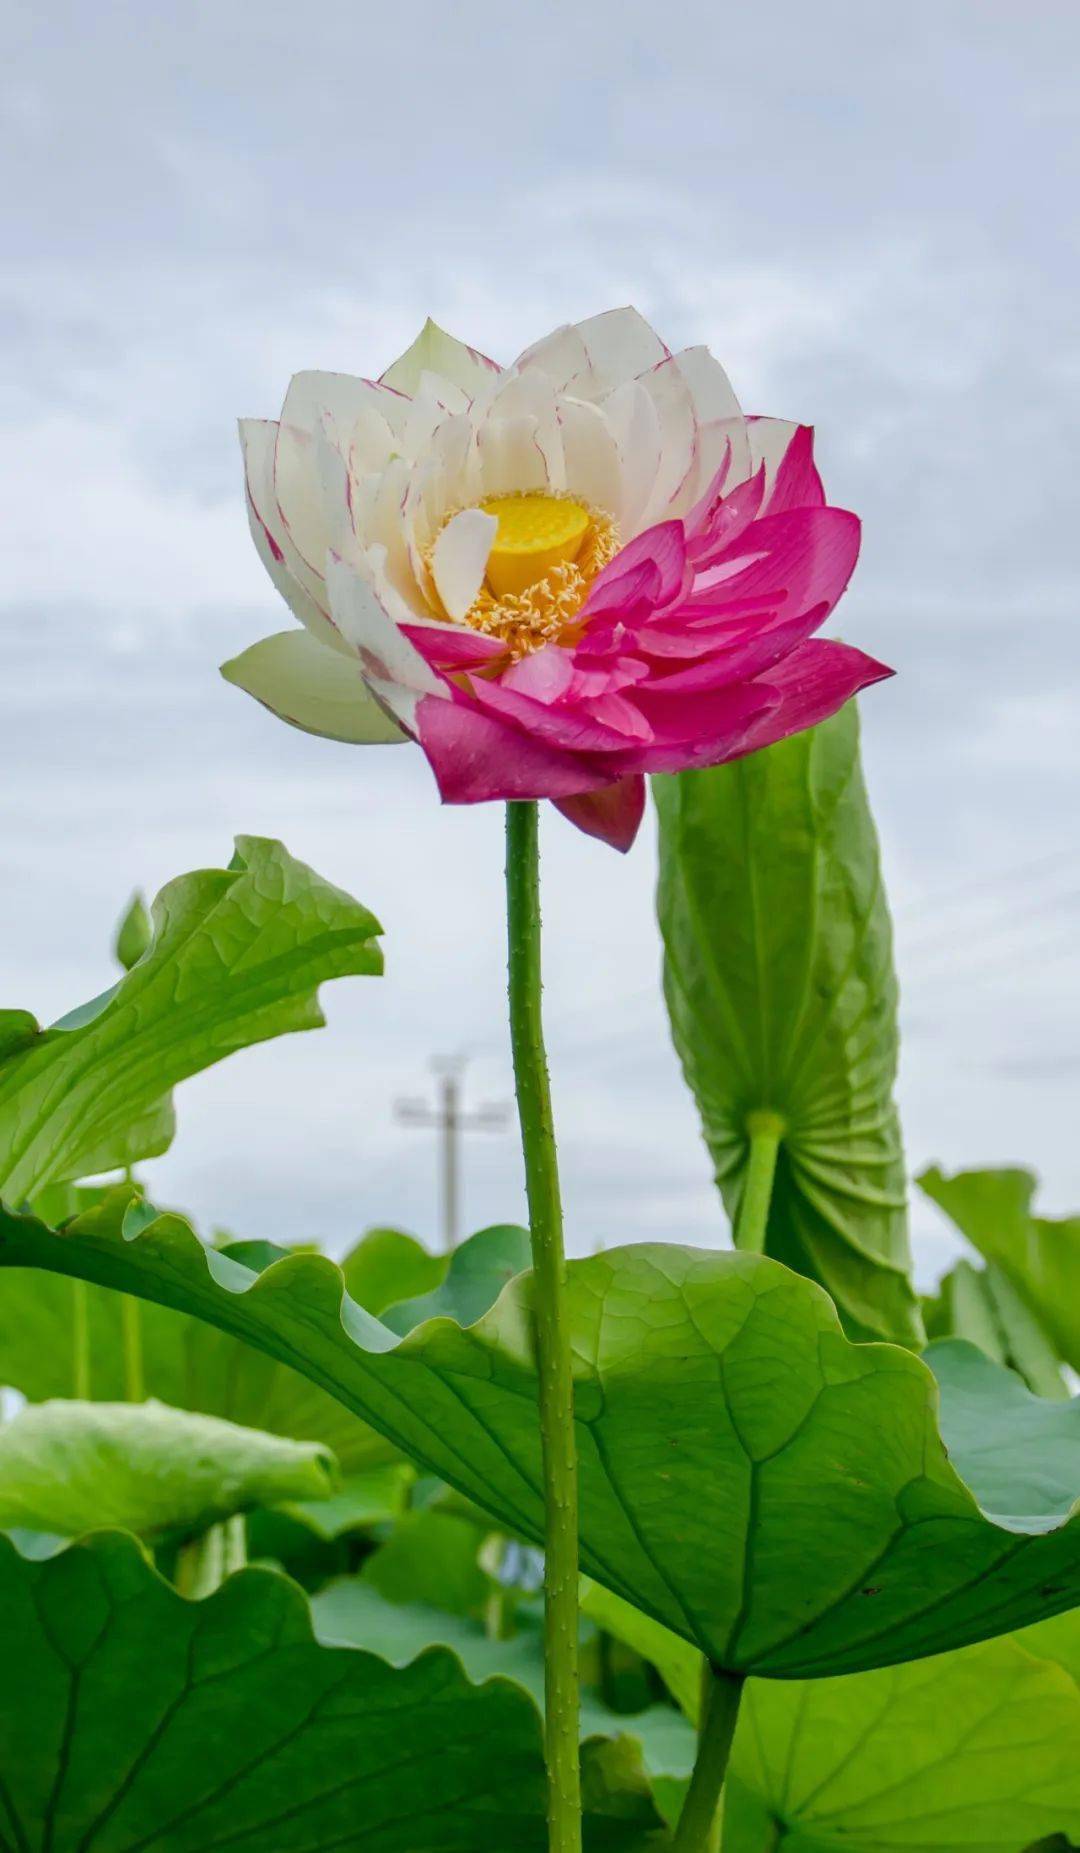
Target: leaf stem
696 1832
766 1131
131 1319
556 1389
131 1334
204 1562
80 1341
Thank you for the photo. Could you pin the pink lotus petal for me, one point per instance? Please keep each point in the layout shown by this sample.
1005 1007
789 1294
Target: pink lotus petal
661 549
812 683
476 756
546 675
571 727
453 647
807 555
613 813
786 452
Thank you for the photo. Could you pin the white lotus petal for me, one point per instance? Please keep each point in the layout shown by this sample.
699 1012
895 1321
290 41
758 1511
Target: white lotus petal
675 480
560 355
299 500
460 558
434 351
510 457
437 488
371 442
593 469
337 493
621 345
345 397
381 523
433 400
258 440
710 388
313 688
635 424
393 668
528 395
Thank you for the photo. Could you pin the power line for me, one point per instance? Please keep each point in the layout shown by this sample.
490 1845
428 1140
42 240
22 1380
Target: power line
449 1120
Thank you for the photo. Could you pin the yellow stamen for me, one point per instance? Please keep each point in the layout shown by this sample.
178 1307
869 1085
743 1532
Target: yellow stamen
548 550
536 532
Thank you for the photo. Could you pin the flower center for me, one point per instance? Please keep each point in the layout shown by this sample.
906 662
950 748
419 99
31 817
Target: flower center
535 533
548 550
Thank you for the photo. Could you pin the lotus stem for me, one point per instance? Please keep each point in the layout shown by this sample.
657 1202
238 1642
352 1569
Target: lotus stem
699 1821
556 1388
766 1131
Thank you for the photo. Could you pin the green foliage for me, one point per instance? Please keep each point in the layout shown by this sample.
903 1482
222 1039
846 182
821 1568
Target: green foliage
352 1612
981 1305
979 1750
130 1717
361 1502
477 1272
134 933
62 1338
236 957
1039 1255
69 1467
431 1557
779 981
775 1494
387 1266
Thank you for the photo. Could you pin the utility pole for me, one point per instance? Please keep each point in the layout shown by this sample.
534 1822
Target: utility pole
450 1121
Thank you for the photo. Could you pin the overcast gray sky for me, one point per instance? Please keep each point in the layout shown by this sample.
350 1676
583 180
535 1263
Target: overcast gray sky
868 213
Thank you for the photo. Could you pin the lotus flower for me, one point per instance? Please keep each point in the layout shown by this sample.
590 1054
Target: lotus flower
556 577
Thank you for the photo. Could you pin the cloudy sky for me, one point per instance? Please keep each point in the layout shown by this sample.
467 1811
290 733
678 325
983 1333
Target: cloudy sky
868 214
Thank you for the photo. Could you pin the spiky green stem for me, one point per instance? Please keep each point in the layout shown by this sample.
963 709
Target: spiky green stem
556 1390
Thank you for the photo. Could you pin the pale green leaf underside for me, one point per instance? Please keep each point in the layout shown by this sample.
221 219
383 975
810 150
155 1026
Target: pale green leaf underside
1039 1254
750 1478
133 1719
71 1467
782 996
237 956
979 1751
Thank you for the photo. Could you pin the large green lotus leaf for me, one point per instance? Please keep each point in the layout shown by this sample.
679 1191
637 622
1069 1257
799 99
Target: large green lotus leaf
387 1266
774 1493
192 1365
352 1612
70 1467
780 987
133 1719
236 957
982 1305
1039 1254
979 1750
185 1363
